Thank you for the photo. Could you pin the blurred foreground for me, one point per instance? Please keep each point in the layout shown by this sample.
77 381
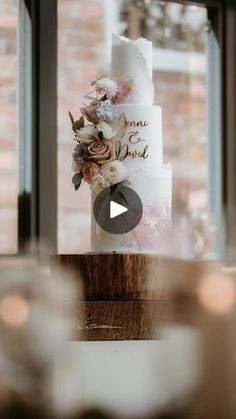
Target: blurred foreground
187 372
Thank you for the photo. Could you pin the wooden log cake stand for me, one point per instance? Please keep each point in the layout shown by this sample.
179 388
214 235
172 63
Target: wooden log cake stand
124 296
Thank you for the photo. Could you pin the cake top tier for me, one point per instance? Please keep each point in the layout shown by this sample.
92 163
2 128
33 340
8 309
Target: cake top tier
132 60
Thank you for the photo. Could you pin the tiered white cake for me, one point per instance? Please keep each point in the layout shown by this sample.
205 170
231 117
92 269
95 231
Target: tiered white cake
140 150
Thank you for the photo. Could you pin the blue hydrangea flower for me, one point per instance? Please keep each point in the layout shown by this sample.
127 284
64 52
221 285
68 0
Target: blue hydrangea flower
107 112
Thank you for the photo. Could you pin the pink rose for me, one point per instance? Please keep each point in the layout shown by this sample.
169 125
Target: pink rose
90 171
101 151
89 112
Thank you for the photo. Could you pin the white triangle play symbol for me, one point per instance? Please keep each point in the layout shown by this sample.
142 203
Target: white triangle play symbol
116 209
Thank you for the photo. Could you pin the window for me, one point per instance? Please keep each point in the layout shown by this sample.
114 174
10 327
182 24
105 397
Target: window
8 126
178 33
193 86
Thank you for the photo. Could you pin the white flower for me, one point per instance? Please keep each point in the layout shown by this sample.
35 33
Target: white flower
85 133
76 167
106 129
108 87
99 184
114 172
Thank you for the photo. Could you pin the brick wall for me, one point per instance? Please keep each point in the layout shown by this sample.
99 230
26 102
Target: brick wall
80 45
8 127
183 101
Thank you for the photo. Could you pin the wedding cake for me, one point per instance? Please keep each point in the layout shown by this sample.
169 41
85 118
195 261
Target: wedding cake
124 142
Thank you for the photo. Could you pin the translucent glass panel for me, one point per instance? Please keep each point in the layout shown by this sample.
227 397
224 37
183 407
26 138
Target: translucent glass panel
80 59
179 73
8 126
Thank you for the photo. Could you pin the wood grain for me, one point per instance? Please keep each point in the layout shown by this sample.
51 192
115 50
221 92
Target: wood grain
123 295
127 277
120 320
114 276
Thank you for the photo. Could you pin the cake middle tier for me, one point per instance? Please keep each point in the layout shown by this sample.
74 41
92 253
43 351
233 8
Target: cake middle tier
141 145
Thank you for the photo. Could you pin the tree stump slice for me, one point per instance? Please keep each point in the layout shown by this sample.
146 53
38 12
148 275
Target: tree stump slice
124 296
117 320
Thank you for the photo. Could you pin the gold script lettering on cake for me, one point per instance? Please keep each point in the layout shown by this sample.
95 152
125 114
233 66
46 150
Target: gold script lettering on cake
124 150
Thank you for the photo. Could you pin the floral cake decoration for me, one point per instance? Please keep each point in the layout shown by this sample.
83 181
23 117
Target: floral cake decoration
96 133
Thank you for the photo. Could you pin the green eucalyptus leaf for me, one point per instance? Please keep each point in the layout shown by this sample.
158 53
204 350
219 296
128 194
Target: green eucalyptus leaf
77 186
77 125
81 121
71 117
93 82
77 179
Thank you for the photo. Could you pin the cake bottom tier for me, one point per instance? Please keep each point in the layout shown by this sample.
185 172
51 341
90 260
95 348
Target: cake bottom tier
154 187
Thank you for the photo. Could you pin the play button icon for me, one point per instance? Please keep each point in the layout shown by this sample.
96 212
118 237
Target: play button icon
118 209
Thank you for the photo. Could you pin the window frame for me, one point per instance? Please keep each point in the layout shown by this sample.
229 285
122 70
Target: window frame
215 125
229 111
37 203
38 122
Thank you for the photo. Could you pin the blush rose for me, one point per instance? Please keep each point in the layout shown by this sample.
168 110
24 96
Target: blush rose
90 171
101 151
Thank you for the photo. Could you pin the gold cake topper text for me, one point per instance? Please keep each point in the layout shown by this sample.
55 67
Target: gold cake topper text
124 150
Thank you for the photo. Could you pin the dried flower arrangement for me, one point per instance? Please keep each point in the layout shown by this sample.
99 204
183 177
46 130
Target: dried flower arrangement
94 157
